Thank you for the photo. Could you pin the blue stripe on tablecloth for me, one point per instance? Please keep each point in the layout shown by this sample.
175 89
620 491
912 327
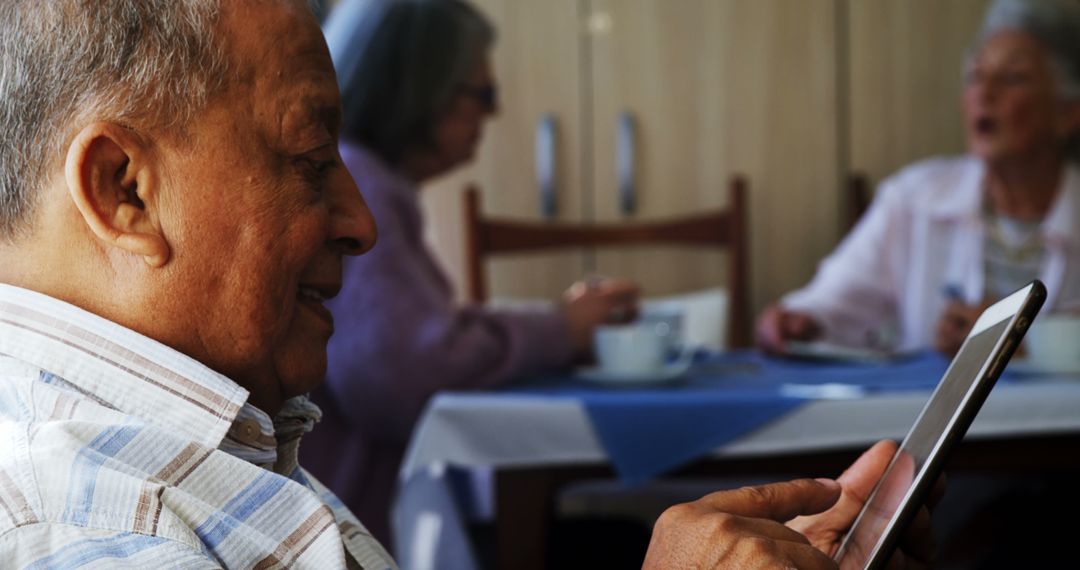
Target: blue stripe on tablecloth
647 431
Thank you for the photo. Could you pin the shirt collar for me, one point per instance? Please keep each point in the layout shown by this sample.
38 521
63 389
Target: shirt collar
119 367
1062 222
964 201
271 444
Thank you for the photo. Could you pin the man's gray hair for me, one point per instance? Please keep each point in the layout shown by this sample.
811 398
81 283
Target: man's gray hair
1054 23
399 63
141 63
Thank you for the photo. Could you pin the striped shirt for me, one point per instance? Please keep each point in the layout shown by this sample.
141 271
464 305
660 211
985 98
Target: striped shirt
119 452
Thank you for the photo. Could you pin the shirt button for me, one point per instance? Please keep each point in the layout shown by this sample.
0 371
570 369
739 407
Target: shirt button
249 430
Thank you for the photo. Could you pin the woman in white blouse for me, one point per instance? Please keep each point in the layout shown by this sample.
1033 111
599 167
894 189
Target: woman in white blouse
945 237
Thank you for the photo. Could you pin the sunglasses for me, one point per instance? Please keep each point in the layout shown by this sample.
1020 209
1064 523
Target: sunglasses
486 95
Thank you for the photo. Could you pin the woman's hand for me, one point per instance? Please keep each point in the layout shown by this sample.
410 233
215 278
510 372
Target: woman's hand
954 325
588 304
777 325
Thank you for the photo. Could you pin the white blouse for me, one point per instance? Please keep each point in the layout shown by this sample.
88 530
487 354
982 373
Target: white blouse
924 233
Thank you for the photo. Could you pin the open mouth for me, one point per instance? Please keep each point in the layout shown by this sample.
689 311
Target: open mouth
986 126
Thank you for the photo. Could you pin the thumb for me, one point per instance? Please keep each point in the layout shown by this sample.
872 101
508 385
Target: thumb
778 501
863 475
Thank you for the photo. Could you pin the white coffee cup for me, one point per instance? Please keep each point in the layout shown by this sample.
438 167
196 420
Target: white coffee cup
633 348
1053 343
667 322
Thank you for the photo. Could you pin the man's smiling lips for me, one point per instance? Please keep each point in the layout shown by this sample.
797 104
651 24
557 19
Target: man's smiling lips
313 295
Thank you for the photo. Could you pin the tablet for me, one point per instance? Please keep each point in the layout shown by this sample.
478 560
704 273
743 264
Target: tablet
918 462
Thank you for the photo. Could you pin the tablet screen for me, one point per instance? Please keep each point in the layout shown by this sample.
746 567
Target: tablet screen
910 462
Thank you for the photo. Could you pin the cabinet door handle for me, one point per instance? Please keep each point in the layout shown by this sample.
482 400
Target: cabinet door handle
625 148
546 165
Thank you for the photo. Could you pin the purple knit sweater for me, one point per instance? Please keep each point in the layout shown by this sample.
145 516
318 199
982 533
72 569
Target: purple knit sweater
400 338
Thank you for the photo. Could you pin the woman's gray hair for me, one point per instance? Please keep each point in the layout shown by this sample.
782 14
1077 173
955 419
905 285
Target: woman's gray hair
399 63
141 63
1054 23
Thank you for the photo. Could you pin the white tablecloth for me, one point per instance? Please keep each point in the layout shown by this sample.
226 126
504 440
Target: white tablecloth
504 430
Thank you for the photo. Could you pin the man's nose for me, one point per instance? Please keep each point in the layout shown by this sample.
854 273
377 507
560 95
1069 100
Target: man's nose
352 226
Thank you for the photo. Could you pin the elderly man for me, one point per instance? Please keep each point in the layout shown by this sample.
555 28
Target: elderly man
173 214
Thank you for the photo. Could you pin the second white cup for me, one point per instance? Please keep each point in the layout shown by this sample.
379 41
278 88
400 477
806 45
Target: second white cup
1053 343
629 349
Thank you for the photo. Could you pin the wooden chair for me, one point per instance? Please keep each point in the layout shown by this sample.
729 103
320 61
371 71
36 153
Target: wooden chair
726 228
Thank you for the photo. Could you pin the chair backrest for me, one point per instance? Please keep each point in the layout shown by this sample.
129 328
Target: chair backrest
722 228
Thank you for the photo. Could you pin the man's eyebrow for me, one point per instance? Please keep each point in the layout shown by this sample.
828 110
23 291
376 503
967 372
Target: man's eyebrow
312 117
323 109
334 118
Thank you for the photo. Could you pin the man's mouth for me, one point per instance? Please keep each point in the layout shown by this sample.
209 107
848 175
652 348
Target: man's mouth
313 296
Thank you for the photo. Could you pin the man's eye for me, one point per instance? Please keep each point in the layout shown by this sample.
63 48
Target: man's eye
316 169
323 166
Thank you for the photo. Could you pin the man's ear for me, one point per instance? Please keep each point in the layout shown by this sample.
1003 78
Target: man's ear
110 174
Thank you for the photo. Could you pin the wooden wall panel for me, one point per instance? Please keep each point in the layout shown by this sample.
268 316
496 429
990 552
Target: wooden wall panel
719 87
537 65
793 94
906 59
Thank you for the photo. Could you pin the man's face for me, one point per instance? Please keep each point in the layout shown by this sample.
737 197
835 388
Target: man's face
262 209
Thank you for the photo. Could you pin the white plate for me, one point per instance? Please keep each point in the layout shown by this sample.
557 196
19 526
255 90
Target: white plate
819 350
669 373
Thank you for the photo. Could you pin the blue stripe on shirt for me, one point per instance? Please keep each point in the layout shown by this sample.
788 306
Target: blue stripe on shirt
84 552
84 472
239 508
14 406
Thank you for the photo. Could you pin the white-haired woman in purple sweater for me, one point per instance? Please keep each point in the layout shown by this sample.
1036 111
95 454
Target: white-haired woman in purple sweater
417 88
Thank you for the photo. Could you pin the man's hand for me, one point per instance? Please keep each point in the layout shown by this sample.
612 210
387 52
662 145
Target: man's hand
586 305
742 529
954 325
777 325
826 530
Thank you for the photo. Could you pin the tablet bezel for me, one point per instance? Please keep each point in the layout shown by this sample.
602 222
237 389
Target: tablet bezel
1019 308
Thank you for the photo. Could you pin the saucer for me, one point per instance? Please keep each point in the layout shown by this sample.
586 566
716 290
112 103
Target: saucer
666 374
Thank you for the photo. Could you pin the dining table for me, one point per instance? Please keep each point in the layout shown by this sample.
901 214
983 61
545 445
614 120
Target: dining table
736 413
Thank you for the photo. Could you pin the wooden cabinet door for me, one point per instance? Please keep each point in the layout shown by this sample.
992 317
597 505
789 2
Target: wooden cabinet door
537 63
794 94
718 87
906 59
